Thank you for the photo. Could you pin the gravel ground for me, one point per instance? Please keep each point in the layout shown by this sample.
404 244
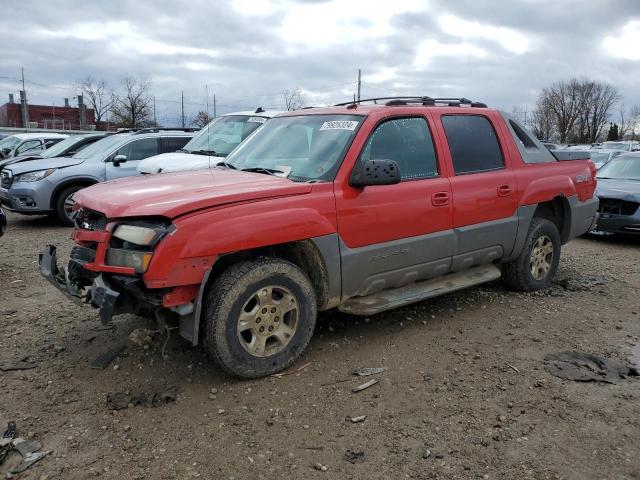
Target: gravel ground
464 394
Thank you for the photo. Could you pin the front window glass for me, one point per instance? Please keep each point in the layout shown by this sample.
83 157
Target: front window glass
621 168
306 147
408 142
101 147
224 134
139 149
30 145
616 145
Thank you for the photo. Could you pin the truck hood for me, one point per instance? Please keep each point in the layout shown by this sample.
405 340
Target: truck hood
42 164
173 194
621 189
174 162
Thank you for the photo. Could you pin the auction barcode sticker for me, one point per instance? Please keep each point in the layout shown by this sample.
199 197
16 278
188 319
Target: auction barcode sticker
339 125
257 120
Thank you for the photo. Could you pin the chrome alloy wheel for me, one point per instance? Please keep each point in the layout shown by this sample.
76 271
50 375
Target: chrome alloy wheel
541 257
268 321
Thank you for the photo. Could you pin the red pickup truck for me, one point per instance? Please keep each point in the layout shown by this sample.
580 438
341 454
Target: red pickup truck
360 207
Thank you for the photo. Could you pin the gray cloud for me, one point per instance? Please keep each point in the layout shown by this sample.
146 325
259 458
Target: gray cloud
244 59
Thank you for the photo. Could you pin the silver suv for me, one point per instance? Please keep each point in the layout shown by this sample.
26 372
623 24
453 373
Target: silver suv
39 187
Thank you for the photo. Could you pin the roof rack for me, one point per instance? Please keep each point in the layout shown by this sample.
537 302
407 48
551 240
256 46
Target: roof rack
426 101
163 129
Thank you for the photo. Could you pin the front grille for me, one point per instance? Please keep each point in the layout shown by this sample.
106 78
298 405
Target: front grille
90 220
615 206
5 179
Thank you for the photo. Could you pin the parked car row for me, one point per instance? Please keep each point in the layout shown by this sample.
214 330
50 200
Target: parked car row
22 143
46 185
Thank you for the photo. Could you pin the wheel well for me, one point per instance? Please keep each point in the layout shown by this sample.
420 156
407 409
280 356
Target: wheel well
73 183
302 253
557 211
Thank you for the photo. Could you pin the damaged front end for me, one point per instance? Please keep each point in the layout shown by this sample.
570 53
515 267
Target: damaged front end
106 266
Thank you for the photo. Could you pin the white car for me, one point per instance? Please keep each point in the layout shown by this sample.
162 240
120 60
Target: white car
21 143
216 140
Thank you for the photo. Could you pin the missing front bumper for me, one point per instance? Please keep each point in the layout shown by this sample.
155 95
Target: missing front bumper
99 294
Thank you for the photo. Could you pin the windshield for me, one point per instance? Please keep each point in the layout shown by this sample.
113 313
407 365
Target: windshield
621 168
307 147
101 147
224 134
616 145
9 142
59 148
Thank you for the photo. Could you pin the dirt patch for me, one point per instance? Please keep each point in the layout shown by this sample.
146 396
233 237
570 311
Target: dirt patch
464 393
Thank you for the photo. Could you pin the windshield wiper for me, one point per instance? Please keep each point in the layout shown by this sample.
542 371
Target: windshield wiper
225 164
212 153
268 171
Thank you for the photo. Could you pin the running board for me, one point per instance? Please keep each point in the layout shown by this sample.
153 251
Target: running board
416 292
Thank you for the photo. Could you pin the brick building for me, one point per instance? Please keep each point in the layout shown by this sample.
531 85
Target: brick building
46 116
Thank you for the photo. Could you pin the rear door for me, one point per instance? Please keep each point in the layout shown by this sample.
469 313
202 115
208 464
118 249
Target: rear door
393 235
483 187
135 150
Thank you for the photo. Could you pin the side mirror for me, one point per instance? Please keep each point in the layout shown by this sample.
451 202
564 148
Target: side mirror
375 172
118 159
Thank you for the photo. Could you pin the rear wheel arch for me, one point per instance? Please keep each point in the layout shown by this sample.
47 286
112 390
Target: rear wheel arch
557 211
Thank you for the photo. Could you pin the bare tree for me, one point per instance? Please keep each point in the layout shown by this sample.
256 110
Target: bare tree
293 98
576 110
133 108
628 121
98 96
201 119
541 121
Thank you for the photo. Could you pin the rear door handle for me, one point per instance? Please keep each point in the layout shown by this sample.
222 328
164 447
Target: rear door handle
504 190
440 199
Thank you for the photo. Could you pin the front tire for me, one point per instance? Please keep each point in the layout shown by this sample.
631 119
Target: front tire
537 264
259 317
64 204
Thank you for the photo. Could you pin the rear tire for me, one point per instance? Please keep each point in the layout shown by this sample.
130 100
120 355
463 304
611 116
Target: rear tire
259 317
63 204
538 261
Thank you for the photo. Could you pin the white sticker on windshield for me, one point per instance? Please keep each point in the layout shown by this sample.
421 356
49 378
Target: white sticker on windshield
257 120
339 125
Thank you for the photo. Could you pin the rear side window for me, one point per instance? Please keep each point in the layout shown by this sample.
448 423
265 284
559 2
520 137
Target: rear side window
171 144
473 143
408 142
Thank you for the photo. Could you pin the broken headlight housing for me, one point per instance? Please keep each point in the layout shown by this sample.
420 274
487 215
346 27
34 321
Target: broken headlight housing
138 235
132 244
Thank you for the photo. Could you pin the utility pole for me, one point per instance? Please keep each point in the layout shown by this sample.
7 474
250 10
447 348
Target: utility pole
214 106
359 82
206 98
155 122
183 109
23 102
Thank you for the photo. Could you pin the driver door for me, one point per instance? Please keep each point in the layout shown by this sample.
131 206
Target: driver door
134 151
393 235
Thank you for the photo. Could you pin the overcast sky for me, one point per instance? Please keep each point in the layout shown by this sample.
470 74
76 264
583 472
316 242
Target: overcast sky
248 51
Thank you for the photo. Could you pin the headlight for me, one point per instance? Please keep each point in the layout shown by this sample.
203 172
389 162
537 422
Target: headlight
139 261
137 235
34 176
